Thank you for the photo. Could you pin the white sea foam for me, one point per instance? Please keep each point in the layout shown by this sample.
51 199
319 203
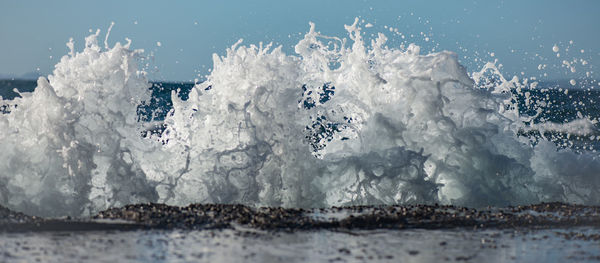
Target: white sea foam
67 147
338 123
579 127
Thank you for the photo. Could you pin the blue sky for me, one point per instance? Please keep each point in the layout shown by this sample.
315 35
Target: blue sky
520 34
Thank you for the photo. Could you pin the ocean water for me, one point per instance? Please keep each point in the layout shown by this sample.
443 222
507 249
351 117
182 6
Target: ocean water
338 122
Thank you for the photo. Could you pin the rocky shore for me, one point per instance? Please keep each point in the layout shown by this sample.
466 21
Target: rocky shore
222 216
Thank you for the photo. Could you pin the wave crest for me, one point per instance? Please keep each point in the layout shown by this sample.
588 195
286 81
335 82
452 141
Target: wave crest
339 123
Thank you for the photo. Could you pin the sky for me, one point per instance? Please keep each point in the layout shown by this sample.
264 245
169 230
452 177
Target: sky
521 35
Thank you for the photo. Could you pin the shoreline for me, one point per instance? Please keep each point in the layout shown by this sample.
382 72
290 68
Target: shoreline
230 216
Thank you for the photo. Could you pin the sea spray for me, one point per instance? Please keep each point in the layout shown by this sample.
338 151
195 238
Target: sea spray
339 123
396 127
67 147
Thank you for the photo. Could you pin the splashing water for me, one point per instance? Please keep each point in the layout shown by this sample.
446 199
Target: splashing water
68 147
340 123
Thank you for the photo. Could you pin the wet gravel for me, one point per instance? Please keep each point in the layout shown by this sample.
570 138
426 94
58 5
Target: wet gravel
200 216
8 216
222 216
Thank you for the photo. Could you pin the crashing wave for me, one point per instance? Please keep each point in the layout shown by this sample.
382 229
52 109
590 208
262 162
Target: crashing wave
339 123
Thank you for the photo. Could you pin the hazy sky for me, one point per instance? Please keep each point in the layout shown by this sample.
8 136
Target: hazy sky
520 34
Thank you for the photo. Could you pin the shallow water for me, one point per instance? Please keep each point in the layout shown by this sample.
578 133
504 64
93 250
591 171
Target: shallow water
240 244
